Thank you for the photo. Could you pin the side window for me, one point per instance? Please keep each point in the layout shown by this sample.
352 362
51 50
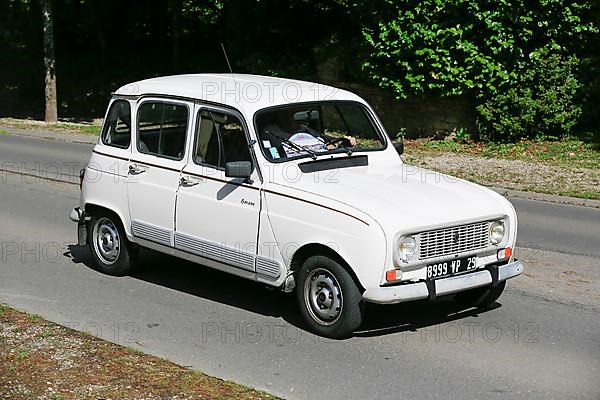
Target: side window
220 138
235 144
162 128
208 147
117 127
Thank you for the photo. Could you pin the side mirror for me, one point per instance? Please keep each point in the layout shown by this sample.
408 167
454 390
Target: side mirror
238 169
399 148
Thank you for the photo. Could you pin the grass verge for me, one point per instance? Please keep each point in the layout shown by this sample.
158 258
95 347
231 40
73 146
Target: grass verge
565 153
567 168
63 127
39 359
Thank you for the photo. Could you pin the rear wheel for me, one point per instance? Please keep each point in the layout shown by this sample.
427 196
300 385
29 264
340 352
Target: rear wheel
482 296
329 300
111 251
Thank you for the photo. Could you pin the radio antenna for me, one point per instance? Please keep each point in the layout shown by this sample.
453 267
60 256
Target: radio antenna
226 58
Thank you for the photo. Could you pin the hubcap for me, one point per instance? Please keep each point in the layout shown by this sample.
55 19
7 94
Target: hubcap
107 242
323 296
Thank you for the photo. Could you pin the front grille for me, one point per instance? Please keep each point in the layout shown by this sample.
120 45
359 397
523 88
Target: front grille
457 239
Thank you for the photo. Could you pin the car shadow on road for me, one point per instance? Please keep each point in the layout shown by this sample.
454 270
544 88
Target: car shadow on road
415 315
207 283
204 282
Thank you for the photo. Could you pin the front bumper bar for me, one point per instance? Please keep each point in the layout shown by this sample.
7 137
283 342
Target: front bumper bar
439 287
79 216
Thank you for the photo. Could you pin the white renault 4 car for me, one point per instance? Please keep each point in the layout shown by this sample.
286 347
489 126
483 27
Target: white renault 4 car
292 184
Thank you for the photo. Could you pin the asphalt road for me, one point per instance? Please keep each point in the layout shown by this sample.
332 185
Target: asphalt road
557 227
526 347
50 159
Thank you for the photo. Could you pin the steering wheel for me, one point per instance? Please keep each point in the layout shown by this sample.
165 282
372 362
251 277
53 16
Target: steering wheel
344 142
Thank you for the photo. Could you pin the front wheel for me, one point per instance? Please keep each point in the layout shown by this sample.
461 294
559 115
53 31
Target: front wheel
111 251
329 300
482 296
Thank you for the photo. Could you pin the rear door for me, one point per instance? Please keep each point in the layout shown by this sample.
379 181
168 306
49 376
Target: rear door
155 167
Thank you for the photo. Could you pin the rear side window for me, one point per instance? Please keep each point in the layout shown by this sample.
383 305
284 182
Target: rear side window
117 127
162 128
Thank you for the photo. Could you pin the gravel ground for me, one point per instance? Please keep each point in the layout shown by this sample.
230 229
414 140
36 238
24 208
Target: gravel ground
514 174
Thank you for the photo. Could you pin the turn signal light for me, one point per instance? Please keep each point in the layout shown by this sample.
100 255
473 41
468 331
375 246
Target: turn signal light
390 276
505 253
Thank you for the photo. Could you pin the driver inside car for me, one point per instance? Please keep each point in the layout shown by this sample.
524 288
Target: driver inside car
289 125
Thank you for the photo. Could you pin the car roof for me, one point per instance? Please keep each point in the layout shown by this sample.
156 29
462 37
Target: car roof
246 92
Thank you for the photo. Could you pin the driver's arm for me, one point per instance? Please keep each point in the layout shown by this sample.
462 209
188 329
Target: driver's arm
351 141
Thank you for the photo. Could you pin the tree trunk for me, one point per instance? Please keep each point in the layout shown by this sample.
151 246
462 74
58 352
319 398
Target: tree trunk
175 34
51 114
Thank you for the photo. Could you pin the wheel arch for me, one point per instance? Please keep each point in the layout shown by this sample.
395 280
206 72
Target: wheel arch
94 208
317 249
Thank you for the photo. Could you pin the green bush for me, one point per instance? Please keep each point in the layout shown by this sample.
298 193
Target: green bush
462 135
515 59
539 104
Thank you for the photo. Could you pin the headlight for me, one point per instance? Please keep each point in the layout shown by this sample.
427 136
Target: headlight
497 232
407 248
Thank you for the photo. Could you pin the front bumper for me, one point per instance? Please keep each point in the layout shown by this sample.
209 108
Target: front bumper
76 214
439 287
79 216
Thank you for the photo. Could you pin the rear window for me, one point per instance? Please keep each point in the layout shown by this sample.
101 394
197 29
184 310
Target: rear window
117 127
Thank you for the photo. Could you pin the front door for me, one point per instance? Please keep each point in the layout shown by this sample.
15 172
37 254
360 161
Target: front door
217 217
155 167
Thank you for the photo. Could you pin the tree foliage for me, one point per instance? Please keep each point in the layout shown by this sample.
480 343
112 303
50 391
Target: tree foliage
541 104
493 52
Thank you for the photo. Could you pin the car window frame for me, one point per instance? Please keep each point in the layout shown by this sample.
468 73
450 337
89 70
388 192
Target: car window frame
105 125
379 129
161 100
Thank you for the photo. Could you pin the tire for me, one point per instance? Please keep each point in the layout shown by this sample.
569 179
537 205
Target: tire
329 300
112 253
482 296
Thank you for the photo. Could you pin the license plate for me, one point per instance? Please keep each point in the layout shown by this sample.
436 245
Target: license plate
453 267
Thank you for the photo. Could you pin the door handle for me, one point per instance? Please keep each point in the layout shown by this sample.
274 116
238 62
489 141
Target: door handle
188 181
136 169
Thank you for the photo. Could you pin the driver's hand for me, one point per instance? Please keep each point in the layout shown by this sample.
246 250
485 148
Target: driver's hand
351 140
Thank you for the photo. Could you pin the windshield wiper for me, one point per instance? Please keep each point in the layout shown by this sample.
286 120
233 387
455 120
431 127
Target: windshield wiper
311 153
347 150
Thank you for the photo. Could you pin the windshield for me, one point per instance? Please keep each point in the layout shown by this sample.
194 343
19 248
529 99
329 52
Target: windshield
313 129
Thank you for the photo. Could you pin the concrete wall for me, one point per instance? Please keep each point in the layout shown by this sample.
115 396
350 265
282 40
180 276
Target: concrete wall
420 116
